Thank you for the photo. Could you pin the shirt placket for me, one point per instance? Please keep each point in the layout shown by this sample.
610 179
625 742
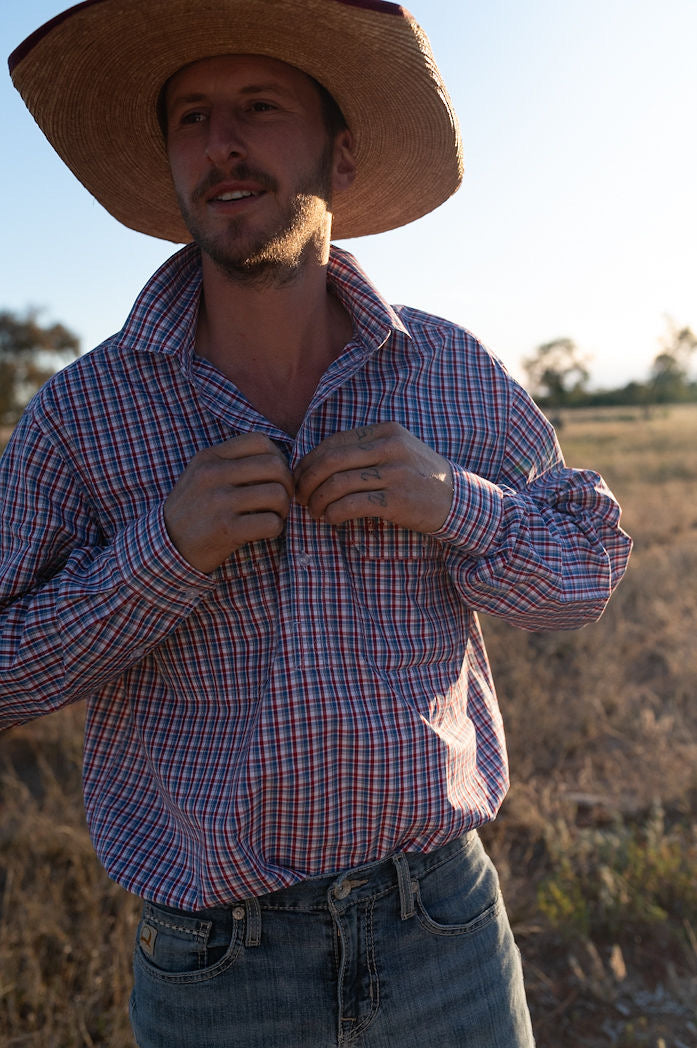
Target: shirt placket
297 585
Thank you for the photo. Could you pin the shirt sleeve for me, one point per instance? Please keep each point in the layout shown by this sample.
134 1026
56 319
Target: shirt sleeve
76 610
540 545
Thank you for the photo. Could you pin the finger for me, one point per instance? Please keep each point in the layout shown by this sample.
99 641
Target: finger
246 444
207 552
255 470
210 471
210 530
363 438
360 504
355 449
254 527
254 498
372 479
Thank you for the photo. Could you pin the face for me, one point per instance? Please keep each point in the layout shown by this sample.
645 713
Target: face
252 163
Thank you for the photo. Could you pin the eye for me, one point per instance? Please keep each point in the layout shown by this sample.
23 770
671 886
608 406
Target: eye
196 116
262 107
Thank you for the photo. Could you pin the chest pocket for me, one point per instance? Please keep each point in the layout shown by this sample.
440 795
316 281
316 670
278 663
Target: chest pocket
408 605
377 539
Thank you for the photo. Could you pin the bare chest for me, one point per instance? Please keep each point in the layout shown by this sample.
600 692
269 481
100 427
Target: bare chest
282 401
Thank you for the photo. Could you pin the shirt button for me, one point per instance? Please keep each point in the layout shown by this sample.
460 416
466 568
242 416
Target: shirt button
304 560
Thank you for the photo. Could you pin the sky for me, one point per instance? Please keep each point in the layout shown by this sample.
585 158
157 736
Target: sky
577 216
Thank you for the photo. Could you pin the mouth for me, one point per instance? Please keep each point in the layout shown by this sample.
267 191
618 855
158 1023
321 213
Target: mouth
233 187
236 194
232 190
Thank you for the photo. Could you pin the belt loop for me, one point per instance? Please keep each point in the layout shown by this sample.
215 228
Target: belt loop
253 930
406 891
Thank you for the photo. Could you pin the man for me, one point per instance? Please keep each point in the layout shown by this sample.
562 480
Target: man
253 530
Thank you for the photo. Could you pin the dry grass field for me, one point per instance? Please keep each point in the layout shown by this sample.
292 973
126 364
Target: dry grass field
596 845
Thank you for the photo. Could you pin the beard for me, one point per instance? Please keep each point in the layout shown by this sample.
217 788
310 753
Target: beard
269 257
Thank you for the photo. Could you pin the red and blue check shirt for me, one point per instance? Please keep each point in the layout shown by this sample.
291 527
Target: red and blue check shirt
323 699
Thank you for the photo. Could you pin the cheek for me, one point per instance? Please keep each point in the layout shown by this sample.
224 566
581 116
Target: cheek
181 169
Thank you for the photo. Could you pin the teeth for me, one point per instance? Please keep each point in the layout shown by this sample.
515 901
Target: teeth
238 194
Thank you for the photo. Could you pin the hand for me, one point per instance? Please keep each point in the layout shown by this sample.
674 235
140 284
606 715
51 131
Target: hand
228 495
376 471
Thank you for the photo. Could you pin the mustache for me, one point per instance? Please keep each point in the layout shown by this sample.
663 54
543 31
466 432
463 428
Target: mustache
241 173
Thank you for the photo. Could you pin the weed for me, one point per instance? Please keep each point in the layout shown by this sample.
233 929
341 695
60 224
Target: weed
627 875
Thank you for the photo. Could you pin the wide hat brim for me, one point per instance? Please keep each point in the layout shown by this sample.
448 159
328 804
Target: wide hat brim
92 77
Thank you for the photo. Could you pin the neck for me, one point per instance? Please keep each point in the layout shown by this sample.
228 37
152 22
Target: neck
273 338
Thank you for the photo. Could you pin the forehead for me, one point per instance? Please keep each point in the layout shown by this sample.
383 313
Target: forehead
237 72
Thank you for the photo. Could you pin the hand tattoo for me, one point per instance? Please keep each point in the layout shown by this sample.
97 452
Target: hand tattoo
365 434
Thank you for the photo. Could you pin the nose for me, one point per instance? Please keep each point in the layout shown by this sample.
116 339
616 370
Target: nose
225 138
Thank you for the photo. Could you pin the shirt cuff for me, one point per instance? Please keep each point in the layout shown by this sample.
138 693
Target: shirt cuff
475 514
151 565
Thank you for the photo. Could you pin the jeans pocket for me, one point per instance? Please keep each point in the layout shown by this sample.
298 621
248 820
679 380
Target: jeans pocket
181 948
461 896
469 927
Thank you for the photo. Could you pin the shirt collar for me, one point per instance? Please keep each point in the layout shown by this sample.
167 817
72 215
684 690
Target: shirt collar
163 317
373 318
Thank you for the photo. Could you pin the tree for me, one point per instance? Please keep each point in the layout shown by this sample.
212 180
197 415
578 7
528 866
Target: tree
29 354
557 371
670 372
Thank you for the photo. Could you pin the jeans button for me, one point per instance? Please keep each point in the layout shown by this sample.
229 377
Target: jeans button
342 891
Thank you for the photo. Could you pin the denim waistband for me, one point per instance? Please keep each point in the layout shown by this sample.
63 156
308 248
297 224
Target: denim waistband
315 893
318 894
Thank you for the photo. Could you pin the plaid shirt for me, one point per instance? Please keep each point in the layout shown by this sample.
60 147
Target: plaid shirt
323 699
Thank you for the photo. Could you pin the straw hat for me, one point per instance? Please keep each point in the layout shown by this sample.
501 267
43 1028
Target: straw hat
91 78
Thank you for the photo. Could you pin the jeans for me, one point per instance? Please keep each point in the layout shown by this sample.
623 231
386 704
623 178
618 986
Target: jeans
409 952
